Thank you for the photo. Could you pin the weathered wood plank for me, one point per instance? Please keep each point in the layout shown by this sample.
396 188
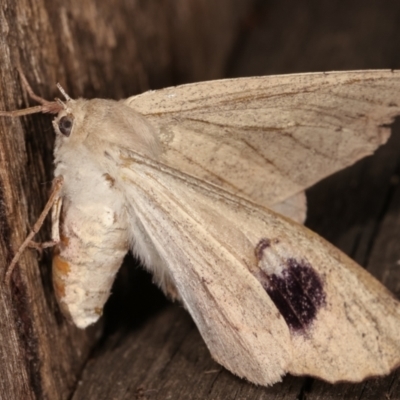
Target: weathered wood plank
167 359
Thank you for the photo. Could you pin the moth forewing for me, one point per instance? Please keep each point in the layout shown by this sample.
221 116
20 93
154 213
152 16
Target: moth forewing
235 318
294 207
247 275
269 138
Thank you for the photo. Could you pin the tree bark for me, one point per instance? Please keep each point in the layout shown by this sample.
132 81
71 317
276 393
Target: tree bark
103 49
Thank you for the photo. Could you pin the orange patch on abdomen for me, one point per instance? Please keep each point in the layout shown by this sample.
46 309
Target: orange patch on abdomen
61 269
59 287
60 266
64 239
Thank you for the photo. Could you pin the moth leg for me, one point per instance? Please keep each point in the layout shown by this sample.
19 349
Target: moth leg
29 89
40 246
52 107
21 113
55 192
43 245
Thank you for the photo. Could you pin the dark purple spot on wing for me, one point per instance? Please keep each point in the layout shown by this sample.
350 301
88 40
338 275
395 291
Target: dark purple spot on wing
297 292
284 307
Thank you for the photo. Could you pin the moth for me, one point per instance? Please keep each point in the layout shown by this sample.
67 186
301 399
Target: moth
205 184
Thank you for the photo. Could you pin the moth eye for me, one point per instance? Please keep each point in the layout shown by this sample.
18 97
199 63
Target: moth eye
65 125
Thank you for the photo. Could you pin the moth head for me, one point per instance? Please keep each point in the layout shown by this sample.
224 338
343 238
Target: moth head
65 120
65 124
95 124
98 124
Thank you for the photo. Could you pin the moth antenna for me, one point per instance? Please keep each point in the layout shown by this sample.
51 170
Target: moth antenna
30 91
64 93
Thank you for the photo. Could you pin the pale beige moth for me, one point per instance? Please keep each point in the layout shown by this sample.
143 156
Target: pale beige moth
204 183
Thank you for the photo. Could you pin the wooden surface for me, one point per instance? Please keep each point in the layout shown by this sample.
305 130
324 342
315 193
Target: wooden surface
105 49
150 349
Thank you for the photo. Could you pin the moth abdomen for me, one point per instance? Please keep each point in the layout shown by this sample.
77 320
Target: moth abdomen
93 243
